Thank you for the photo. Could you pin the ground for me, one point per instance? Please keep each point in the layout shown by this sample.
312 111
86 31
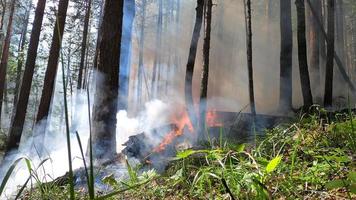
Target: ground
310 158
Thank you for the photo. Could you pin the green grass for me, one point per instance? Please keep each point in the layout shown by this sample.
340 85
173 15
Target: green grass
312 158
309 159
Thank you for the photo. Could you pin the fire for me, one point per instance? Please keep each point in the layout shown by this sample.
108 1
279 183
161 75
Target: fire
180 120
212 119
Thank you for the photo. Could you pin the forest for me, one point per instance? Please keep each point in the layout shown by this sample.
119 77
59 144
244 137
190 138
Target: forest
177 99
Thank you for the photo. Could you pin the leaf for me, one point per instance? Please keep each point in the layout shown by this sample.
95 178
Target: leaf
240 148
8 174
110 180
352 188
185 154
273 164
352 177
334 184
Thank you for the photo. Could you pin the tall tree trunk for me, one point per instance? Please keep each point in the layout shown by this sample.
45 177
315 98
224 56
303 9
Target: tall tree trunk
125 60
336 57
328 98
157 58
50 76
21 107
188 88
205 72
98 39
3 13
84 43
20 57
248 18
314 47
286 94
141 55
5 55
340 27
105 102
302 55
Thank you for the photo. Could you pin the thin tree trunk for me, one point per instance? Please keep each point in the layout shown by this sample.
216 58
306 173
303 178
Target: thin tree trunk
205 72
302 55
340 35
248 18
20 57
188 88
21 107
99 37
286 92
5 56
328 98
84 44
3 13
141 55
105 102
157 58
336 57
50 76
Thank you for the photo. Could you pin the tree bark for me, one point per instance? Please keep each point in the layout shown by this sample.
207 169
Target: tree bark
286 92
3 12
188 88
302 55
314 49
205 72
105 102
328 96
248 18
157 58
84 44
5 55
98 39
50 76
25 88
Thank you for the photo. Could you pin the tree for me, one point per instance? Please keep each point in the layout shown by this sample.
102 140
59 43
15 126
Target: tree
24 94
21 48
205 72
157 58
249 55
141 54
5 54
52 65
3 12
285 97
302 55
107 84
328 96
314 47
336 57
84 43
188 88
125 60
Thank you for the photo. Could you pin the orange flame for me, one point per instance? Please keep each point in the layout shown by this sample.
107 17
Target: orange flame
181 120
212 119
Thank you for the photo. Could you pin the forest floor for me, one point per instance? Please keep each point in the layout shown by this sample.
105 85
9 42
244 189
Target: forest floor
310 158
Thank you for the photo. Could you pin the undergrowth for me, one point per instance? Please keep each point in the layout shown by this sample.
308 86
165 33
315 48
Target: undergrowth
312 158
